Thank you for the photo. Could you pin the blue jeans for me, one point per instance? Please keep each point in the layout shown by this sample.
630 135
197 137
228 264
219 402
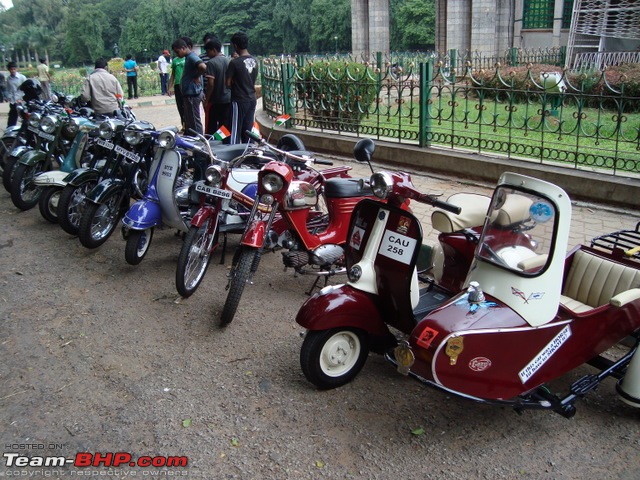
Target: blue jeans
164 82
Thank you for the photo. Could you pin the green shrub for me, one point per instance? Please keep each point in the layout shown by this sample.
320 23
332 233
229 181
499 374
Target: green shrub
337 94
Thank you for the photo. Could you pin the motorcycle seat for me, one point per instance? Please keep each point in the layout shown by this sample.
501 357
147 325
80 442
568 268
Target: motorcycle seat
345 188
473 211
594 281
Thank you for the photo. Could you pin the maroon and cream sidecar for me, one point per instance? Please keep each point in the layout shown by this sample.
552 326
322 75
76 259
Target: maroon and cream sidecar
528 315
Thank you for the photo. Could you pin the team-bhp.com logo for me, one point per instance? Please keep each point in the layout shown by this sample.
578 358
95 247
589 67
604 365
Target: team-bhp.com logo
85 459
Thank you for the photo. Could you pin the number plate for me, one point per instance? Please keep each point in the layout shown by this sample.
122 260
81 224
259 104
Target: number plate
33 129
104 143
397 247
134 157
47 136
216 192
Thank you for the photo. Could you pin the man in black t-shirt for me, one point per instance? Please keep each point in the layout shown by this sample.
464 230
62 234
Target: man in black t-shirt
241 79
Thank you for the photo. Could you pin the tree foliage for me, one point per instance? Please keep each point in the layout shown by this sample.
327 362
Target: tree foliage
78 31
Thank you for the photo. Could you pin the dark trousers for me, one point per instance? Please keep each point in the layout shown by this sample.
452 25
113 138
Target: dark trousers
164 82
179 103
218 115
192 118
132 85
242 114
13 115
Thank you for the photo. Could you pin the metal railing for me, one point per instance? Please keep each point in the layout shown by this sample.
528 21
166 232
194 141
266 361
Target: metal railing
536 113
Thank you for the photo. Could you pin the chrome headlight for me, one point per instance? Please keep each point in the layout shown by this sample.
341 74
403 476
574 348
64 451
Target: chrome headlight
106 130
72 126
133 137
213 174
381 184
167 139
49 123
272 182
34 120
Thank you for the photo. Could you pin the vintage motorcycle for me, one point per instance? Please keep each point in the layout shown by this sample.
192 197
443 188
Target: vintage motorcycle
313 238
560 311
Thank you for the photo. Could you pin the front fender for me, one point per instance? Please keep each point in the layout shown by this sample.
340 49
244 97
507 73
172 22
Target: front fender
205 212
342 306
253 236
20 150
142 215
50 179
11 133
32 157
82 175
104 189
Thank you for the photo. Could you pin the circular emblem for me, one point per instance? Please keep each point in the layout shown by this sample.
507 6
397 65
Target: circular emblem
479 364
541 211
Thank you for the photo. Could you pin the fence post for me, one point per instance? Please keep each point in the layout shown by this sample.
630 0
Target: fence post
426 81
513 54
286 71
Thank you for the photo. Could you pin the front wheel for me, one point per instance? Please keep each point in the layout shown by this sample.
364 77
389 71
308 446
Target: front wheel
99 220
71 205
24 193
240 274
49 204
194 257
138 242
7 174
332 358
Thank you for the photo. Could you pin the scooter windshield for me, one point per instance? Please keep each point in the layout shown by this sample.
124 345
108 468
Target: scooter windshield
519 231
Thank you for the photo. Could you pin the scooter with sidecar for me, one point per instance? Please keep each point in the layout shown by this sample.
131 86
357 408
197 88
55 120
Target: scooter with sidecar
529 313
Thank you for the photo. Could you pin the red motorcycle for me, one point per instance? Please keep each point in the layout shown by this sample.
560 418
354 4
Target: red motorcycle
293 192
528 313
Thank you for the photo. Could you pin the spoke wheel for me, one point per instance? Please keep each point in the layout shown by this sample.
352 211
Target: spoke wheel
194 258
239 277
49 202
99 220
71 206
332 358
24 193
138 242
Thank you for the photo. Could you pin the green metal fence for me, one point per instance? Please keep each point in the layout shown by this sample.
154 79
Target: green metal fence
583 120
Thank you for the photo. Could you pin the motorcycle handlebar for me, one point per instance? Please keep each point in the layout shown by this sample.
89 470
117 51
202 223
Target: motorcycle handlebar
449 207
290 155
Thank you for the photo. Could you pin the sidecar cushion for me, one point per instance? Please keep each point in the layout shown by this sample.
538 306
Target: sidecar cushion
514 211
593 281
473 211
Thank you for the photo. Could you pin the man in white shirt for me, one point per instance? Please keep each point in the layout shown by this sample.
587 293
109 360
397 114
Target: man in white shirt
163 68
14 94
103 90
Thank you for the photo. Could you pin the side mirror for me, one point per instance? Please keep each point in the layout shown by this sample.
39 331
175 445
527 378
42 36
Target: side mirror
363 151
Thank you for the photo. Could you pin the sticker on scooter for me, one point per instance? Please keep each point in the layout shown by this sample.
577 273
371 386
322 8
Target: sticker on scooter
479 364
533 296
455 346
426 337
356 238
397 247
403 225
545 354
541 211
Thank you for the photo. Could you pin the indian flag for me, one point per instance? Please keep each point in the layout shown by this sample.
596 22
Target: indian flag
256 130
222 133
282 119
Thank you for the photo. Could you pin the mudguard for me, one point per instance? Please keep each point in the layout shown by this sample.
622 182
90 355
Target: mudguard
10 133
342 306
53 178
81 175
104 189
32 157
253 236
142 215
203 213
20 151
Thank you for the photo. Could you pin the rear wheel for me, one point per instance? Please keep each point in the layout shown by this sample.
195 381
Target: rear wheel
49 203
332 358
194 258
71 206
239 277
138 242
24 193
99 220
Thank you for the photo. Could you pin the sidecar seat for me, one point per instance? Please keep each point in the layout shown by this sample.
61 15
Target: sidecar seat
473 211
594 281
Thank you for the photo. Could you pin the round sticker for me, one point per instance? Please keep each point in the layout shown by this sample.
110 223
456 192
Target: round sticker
541 211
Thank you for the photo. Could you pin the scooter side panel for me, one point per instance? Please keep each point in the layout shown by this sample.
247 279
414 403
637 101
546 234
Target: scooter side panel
341 306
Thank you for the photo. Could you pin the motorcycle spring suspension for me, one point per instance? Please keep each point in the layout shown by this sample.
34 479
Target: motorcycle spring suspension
256 261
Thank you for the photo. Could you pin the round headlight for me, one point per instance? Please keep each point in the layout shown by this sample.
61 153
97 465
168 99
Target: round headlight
354 273
272 182
34 119
167 139
49 124
267 199
213 174
106 130
72 126
381 184
133 137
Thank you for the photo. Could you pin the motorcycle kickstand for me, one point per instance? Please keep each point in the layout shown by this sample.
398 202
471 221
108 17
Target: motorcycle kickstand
315 284
224 248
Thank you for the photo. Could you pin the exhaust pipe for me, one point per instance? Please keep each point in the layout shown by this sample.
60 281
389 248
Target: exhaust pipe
628 387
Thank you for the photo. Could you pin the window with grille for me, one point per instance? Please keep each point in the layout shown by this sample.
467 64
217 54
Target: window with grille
567 13
538 14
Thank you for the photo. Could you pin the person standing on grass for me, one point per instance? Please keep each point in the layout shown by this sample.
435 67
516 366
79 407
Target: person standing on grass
163 69
44 75
14 94
131 68
190 84
242 74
